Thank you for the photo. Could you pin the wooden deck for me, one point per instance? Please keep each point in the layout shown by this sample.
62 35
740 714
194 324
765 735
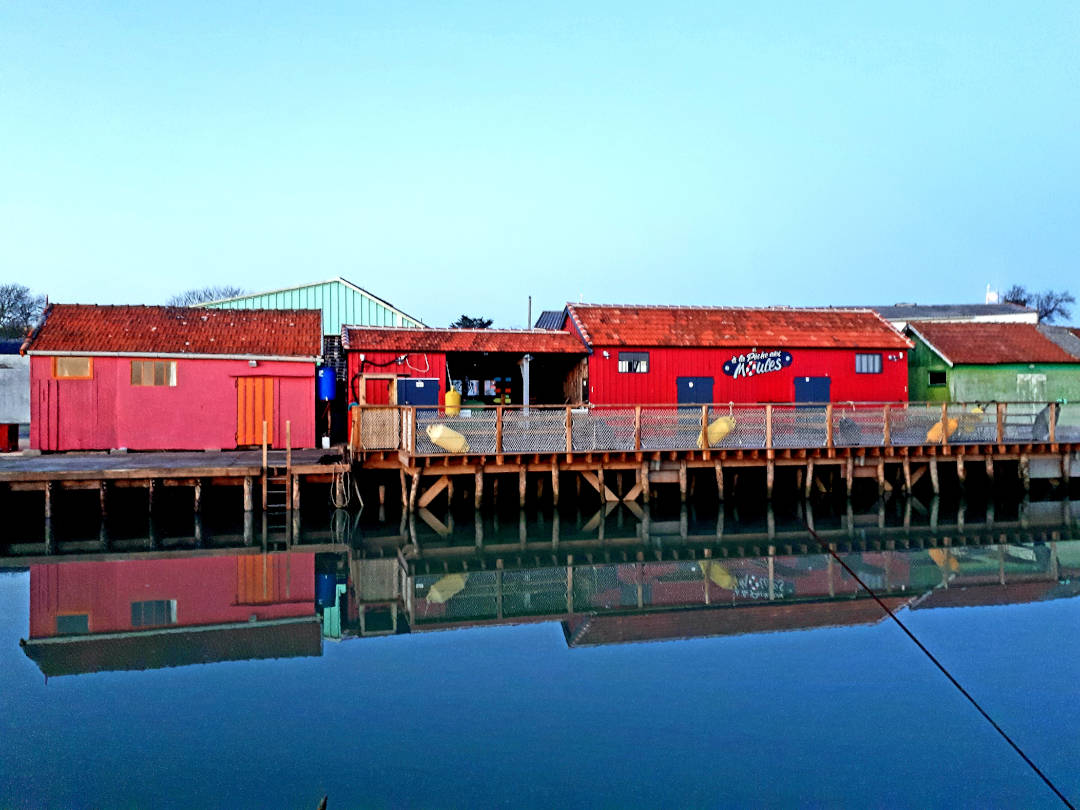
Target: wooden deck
623 452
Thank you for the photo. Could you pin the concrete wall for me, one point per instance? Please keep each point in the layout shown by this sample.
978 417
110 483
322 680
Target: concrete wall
14 389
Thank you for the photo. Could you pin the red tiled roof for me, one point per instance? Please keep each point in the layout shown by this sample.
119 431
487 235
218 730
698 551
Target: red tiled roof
735 327
91 329
518 341
991 343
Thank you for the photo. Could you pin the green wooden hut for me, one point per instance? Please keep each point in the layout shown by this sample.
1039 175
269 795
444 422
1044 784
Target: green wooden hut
340 301
992 362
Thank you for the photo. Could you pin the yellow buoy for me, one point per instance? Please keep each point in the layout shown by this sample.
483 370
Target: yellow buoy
717 430
453 402
933 435
447 438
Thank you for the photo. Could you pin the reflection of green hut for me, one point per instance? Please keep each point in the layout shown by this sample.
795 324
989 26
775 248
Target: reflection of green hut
993 362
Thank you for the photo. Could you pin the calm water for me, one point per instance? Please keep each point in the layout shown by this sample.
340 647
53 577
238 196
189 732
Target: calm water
506 673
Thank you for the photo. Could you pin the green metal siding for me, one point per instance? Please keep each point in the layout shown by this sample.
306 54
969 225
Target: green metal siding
339 303
984 383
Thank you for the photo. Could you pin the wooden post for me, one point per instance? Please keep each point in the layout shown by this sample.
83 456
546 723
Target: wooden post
828 427
295 505
554 482
849 474
264 465
809 478
944 423
382 494
990 467
768 428
404 489
770 473
102 496
603 485
637 427
880 477
478 493
498 430
150 495
887 427
961 470
719 480
1001 423
682 481
934 475
249 498
521 487
1025 472
198 495
907 475
705 430
569 433
414 491
644 481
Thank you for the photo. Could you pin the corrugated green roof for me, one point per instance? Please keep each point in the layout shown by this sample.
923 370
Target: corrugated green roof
340 301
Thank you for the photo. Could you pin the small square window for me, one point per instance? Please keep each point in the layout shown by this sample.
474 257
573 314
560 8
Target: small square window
73 624
937 379
153 372
73 368
867 363
634 362
153 613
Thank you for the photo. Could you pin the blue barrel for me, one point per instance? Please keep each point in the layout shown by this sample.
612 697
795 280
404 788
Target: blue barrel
326 383
325 589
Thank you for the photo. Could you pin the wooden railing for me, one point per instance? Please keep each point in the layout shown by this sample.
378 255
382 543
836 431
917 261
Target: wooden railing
507 429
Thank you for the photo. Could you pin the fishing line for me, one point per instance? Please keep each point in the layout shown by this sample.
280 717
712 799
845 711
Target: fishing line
941 667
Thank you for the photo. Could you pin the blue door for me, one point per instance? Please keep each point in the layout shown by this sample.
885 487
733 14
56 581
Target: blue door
694 390
411 391
812 389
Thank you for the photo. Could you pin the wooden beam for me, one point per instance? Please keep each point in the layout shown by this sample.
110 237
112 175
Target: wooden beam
591 479
441 483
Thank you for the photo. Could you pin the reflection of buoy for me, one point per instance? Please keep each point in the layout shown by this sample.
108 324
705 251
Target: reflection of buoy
943 559
718 574
446 587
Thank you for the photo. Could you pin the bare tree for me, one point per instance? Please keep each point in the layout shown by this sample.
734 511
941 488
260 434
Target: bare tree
190 298
20 310
1050 304
467 322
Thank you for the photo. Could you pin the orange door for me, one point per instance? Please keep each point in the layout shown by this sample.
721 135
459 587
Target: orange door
254 405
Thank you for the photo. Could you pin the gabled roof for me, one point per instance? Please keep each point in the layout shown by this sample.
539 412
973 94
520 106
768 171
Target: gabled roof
934 312
990 343
550 319
693 327
92 329
517 341
312 295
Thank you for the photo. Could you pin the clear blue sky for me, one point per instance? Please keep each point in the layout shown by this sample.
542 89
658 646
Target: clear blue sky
455 157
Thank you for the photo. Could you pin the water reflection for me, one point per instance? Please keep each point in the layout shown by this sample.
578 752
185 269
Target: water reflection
616 576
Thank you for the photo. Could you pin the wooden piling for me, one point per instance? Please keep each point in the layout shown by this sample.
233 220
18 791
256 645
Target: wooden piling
682 481
555 483
414 491
809 482
102 497
522 482
1025 472
478 491
198 496
907 475
990 467
961 471
644 481
770 477
719 480
249 494
934 482
849 474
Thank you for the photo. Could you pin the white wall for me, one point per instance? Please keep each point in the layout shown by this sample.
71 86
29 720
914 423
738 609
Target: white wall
14 389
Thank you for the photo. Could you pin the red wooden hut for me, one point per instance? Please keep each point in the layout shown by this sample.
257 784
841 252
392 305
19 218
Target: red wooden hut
688 355
171 378
416 366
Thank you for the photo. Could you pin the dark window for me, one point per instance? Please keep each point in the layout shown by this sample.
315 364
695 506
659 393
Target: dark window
937 378
634 362
153 613
868 364
73 625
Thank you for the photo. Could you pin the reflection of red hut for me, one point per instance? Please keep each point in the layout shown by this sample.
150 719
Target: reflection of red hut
137 614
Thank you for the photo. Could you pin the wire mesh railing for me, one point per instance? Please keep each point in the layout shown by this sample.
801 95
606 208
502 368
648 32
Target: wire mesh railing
424 431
